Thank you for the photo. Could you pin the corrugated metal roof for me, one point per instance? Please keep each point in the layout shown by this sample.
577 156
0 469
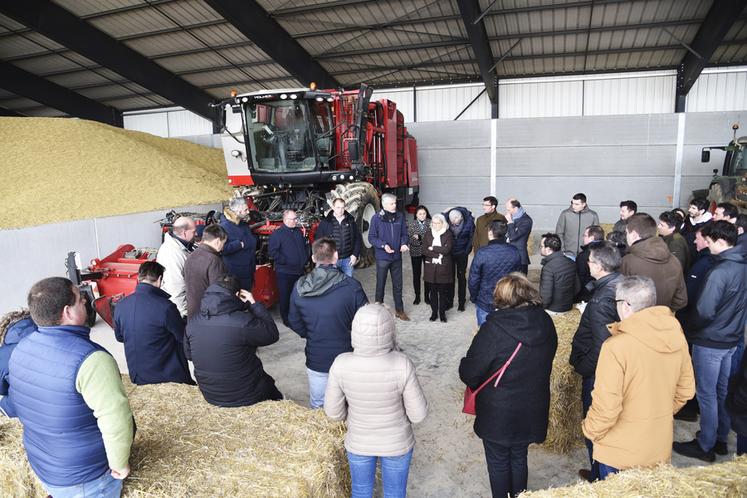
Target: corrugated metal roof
384 42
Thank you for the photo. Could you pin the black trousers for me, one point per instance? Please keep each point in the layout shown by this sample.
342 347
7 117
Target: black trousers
439 298
459 270
285 287
395 268
507 468
418 263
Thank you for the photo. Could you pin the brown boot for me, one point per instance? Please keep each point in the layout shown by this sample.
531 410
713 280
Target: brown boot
402 316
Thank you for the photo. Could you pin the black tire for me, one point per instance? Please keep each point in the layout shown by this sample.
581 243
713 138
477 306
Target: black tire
362 202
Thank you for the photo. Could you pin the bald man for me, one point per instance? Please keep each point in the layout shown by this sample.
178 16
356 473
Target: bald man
177 245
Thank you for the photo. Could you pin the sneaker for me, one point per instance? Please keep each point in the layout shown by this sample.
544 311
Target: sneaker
402 316
692 449
417 300
461 307
433 317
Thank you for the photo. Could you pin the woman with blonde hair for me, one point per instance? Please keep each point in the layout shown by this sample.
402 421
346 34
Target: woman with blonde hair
439 274
514 413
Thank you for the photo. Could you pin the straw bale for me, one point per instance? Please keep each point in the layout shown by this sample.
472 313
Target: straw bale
58 169
607 227
186 447
564 430
728 479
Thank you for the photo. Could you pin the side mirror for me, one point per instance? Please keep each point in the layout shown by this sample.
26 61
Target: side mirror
353 151
705 155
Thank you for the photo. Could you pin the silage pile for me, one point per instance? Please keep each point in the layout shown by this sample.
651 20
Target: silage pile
186 447
58 169
728 479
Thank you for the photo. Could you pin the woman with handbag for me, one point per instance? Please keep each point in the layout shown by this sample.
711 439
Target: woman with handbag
375 390
439 274
417 229
512 411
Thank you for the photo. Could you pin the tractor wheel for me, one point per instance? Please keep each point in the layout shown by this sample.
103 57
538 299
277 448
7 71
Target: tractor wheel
362 202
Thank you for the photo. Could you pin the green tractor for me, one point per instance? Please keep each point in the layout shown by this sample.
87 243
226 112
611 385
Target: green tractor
731 184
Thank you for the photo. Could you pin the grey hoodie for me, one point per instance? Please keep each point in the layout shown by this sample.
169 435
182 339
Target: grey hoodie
571 226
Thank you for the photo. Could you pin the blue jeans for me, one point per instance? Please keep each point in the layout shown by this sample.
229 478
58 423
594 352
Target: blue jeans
606 471
394 471
317 386
104 487
587 386
345 266
482 315
712 367
736 360
395 268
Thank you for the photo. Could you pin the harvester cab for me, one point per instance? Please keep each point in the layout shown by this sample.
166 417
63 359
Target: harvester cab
731 184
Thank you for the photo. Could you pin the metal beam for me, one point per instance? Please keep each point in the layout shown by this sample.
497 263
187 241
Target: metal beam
10 113
63 27
50 94
255 23
719 20
478 39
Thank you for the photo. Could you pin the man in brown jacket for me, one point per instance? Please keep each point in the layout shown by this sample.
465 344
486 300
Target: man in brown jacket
204 266
482 224
648 255
644 376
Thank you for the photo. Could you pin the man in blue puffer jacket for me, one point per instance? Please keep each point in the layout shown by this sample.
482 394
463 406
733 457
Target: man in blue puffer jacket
239 251
490 264
19 327
462 225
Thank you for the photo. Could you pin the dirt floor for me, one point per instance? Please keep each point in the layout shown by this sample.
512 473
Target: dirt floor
448 460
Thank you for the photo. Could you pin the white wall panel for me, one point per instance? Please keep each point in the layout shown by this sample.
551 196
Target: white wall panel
404 99
186 123
445 103
526 99
719 90
643 95
153 123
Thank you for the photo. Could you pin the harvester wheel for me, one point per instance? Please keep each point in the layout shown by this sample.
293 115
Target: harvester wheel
362 202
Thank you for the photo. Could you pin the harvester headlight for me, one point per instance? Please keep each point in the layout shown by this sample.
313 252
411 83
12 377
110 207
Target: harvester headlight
351 177
293 96
283 96
245 99
236 153
330 99
319 99
334 178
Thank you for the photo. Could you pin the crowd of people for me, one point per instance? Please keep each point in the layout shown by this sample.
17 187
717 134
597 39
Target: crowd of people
661 336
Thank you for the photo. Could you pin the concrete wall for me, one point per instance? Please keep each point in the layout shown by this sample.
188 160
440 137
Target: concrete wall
544 161
33 253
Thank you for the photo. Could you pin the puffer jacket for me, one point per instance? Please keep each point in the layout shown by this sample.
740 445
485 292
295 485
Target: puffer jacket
517 410
416 231
375 389
720 314
600 311
16 331
462 237
651 258
644 376
346 234
571 226
558 282
442 272
582 268
490 264
172 255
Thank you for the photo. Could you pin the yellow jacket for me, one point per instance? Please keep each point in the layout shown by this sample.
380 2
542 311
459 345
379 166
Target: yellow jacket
644 376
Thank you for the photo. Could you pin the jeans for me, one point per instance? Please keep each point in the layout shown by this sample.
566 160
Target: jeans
438 299
507 468
103 487
606 471
482 315
395 268
736 360
417 268
394 471
345 266
285 283
317 386
459 270
741 444
712 367
587 386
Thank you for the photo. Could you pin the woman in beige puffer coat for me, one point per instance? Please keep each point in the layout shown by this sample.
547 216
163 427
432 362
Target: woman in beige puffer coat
376 391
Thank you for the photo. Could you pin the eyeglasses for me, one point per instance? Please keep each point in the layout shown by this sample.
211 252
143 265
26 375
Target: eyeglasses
622 301
292 219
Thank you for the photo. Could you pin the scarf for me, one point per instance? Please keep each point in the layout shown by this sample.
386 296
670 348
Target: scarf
437 243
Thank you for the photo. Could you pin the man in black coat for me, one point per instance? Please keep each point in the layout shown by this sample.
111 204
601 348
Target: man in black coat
603 260
340 226
289 250
322 307
519 227
152 331
222 341
558 281
593 237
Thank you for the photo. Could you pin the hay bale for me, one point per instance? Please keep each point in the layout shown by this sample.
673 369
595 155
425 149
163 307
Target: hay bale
82 169
664 481
564 430
607 227
186 447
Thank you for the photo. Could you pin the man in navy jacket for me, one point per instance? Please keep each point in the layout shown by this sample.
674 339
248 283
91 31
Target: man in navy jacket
388 235
519 228
152 331
462 226
322 308
241 245
289 249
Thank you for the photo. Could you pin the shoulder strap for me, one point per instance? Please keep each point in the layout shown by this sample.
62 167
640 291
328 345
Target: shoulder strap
499 373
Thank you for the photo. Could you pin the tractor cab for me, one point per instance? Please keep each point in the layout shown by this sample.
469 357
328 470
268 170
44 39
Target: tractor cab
730 185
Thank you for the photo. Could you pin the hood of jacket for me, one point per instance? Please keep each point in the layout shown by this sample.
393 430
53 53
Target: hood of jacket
372 332
654 249
549 257
18 330
319 281
522 323
655 327
732 254
218 300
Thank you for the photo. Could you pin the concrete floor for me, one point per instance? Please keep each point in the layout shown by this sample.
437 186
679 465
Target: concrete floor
448 459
